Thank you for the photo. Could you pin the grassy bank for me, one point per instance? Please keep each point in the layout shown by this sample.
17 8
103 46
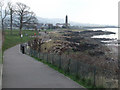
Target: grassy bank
14 39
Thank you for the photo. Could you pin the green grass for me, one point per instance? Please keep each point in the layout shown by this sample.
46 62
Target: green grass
14 39
16 32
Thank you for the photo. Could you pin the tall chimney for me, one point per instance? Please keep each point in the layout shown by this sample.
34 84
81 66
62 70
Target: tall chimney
66 21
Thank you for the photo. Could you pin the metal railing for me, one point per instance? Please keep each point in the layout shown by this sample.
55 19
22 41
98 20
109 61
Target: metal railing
95 76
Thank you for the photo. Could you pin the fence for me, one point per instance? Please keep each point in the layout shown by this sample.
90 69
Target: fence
94 76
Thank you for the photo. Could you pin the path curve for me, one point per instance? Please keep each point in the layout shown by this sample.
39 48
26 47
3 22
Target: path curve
22 71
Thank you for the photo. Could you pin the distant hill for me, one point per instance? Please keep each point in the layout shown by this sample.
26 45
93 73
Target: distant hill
59 20
50 20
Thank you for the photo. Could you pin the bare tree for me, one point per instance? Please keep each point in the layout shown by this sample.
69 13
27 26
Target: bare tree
32 24
11 11
1 5
25 16
4 13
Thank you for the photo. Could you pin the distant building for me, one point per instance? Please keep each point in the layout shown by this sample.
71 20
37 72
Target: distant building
48 26
59 25
45 26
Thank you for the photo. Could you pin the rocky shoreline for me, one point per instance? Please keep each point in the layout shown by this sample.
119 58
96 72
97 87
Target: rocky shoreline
80 46
108 54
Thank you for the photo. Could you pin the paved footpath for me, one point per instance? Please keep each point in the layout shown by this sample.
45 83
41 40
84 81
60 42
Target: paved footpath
22 71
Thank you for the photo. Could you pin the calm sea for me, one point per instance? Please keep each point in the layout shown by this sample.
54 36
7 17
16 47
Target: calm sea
110 36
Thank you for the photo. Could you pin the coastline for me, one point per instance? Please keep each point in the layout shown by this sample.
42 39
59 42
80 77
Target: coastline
79 44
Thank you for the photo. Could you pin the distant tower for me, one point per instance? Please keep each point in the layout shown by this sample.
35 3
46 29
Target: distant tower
66 21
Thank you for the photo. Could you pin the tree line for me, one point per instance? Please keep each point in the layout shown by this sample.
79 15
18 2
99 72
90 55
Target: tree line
17 15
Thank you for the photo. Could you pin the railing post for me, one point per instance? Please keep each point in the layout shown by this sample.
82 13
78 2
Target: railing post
68 69
43 56
34 53
52 59
47 57
39 55
94 77
31 52
77 68
59 61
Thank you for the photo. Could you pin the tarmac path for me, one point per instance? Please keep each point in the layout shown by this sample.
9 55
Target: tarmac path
22 71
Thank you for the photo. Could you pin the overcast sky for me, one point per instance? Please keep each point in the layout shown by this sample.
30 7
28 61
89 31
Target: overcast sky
83 11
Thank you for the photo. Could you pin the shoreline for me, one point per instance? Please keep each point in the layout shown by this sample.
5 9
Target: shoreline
79 44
